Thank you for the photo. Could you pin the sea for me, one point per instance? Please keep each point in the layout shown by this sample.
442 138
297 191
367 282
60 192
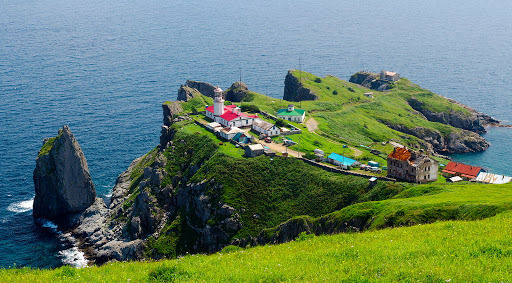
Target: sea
105 67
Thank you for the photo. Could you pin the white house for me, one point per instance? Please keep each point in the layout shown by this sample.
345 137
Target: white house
292 114
229 115
265 128
229 133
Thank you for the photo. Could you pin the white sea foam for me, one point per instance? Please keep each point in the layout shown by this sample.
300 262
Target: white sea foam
74 257
21 206
48 224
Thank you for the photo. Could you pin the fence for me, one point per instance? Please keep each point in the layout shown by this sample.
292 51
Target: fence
344 172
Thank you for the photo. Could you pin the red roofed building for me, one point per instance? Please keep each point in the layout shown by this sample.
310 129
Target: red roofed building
228 116
465 171
411 166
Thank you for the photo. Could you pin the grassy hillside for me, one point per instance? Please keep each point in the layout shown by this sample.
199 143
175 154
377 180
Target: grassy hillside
445 251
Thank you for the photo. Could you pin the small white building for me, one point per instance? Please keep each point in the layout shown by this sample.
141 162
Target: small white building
368 94
265 128
254 150
292 114
229 133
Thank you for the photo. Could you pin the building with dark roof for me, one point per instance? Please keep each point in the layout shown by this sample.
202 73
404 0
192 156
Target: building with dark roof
411 166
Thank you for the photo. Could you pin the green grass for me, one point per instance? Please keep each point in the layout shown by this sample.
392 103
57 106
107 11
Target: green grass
47 146
444 251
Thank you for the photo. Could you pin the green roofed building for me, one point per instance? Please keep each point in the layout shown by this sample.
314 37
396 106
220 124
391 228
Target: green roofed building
292 114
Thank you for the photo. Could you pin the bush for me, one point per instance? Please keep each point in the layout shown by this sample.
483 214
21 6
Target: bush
335 92
309 156
166 274
250 108
351 89
303 236
318 80
280 123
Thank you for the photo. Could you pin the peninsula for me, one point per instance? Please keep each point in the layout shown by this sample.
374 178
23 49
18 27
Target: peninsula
201 190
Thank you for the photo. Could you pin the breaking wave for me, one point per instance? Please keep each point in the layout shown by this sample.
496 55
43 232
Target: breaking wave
74 257
21 206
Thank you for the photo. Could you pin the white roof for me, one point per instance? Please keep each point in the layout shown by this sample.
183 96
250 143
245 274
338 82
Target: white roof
257 146
214 125
232 130
456 179
484 177
262 124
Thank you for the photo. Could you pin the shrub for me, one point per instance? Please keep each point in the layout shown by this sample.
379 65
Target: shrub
250 108
280 123
335 92
231 249
318 80
166 274
351 89
303 236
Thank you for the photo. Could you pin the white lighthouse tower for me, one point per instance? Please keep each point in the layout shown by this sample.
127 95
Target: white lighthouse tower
218 103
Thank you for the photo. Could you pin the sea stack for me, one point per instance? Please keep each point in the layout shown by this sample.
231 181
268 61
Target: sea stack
62 181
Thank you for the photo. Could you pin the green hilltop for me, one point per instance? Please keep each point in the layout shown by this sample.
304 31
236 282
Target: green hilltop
282 199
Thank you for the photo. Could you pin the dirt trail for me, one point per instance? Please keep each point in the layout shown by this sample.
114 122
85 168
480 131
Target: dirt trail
312 126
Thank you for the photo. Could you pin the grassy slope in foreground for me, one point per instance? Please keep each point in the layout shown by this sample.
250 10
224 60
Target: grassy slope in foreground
459 251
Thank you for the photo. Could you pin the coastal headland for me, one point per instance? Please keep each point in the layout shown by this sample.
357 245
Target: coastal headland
197 192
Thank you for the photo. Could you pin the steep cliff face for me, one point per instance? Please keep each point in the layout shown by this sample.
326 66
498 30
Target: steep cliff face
462 141
204 88
63 184
238 92
294 90
472 120
186 93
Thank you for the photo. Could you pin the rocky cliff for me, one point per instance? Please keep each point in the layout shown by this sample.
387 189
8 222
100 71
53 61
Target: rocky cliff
294 90
370 80
62 181
472 120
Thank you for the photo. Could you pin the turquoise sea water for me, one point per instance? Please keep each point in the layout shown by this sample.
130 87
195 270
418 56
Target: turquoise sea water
104 68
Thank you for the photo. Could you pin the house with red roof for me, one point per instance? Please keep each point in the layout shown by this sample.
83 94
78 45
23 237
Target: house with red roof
466 172
227 115
412 166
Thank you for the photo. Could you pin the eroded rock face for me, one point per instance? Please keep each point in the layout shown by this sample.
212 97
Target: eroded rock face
186 93
62 181
237 92
204 88
294 91
472 120
370 80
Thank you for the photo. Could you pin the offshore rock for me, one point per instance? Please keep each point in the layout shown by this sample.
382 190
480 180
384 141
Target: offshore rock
62 181
294 91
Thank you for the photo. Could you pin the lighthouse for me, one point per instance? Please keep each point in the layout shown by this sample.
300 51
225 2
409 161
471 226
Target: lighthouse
218 103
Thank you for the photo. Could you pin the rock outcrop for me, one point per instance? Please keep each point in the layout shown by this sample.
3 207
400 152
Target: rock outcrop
186 93
294 90
462 141
472 120
205 89
370 80
237 92
63 184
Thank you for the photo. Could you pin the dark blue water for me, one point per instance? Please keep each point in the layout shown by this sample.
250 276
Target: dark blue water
104 67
